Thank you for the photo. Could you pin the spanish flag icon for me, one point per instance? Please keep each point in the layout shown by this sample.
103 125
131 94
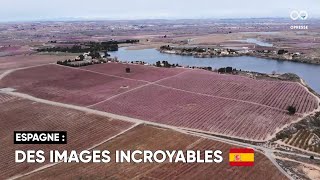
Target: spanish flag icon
241 157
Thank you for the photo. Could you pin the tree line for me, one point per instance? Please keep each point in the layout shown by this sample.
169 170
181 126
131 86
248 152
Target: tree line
88 47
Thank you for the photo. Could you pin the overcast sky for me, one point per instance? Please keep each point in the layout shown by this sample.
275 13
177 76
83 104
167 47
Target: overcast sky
26 10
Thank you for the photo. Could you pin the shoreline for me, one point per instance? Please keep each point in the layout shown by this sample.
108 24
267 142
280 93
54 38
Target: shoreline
250 54
287 77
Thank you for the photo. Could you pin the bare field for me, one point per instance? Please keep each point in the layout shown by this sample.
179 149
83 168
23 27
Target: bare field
299 170
67 85
84 130
19 61
151 138
15 50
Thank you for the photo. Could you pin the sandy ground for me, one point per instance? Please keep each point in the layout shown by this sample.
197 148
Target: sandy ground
311 172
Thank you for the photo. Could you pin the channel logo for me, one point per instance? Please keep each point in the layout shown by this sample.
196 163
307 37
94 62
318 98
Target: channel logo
299 15
241 157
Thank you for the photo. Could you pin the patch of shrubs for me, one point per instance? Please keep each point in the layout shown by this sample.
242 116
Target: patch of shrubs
291 110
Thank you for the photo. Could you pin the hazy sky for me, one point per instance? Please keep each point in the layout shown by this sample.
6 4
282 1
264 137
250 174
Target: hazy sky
22 10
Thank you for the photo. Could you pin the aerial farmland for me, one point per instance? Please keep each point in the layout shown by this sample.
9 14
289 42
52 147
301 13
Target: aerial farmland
19 114
228 105
143 137
69 82
20 61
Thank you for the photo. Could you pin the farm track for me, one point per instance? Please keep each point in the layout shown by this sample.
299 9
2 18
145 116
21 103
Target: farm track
7 72
148 83
26 61
138 72
104 74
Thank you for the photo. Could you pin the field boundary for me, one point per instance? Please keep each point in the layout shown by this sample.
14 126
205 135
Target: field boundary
7 72
149 83
104 74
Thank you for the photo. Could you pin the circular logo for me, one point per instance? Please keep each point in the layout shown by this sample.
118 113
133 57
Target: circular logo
302 15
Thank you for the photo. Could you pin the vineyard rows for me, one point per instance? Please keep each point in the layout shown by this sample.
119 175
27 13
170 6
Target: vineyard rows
84 130
304 139
272 93
183 109
72 86
138 72
20 61
224 104
150 138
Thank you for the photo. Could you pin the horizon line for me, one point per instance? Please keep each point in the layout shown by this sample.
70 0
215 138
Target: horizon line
79 19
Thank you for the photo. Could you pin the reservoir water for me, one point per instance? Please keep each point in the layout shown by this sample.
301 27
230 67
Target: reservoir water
309 72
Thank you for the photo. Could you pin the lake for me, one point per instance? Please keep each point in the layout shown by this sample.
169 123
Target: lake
309 72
